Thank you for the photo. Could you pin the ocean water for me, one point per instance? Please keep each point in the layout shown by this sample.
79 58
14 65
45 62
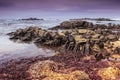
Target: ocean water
104 22
14 50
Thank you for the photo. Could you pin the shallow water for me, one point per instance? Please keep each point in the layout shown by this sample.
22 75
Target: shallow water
14 50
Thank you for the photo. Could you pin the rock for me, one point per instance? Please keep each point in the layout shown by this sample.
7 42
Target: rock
73 24
96 36
96 19
87 31
29 34
116 56
87 48
111 37
31 19
95 49
99 56
117 50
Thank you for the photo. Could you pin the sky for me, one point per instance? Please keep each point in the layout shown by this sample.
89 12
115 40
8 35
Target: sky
59 8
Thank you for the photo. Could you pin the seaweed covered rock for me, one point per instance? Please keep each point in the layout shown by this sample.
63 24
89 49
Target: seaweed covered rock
110 73
49 70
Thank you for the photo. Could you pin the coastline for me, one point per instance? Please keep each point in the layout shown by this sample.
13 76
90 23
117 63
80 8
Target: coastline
67 63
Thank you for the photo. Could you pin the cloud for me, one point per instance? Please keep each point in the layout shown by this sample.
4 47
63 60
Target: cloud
60 5
6 4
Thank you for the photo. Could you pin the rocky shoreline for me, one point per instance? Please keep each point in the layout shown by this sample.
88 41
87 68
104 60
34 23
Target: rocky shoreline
60 67
85 51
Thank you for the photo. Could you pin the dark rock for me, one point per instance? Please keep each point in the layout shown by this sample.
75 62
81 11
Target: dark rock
117 50
73 25
31 19
96 19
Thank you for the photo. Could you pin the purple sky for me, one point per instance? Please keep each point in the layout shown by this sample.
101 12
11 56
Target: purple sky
59 8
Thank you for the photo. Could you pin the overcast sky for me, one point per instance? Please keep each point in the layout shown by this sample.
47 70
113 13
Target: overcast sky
59 8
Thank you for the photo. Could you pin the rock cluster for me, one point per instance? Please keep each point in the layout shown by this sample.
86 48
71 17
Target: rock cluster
73 24
90 41
39 36
97 19
81 24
